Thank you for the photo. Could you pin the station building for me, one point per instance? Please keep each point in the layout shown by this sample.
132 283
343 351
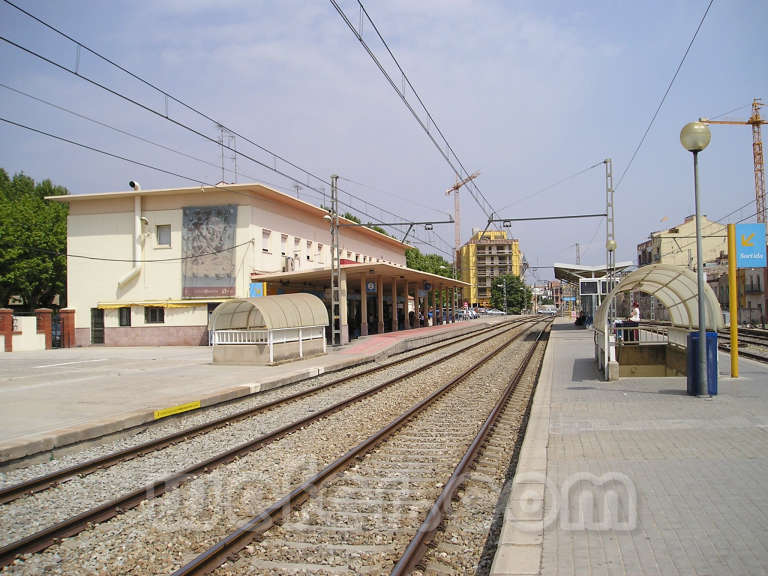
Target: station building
677 246
148 267
485 257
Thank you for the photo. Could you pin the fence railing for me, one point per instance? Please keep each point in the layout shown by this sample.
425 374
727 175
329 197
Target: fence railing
262 336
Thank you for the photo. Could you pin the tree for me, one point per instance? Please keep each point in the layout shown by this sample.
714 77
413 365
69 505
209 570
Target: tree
431 263
518 294
33 241
356 220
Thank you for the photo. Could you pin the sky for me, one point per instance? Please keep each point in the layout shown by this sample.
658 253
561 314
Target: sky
531 94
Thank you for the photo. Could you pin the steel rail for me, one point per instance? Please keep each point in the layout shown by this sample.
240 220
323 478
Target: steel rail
40 483
212 558
44 538
417 547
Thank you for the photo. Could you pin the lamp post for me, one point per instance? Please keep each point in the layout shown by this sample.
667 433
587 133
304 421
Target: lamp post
504 285
695 137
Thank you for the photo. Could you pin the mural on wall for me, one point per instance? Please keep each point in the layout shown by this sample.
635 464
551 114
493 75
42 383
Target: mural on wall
207 242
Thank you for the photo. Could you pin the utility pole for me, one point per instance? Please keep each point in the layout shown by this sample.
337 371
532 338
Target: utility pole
335 265
610 258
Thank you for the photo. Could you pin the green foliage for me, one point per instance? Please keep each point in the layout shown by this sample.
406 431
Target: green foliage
33 241
518 294
431 263
350 216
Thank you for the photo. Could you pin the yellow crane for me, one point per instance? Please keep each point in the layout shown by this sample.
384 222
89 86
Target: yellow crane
757 151
457 225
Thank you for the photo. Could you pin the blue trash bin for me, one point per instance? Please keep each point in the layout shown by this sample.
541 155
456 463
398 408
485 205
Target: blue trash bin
693 363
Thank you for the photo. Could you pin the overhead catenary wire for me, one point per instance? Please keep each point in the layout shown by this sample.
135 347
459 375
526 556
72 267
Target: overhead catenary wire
472 182
460 174
165 115
115 128
553 185
100 151
663 98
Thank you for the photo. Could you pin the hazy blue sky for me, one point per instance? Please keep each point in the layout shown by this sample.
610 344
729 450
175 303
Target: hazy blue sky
526 92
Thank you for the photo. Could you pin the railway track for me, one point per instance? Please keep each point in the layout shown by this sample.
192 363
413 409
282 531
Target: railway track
38 483
72 525
753 343
364 507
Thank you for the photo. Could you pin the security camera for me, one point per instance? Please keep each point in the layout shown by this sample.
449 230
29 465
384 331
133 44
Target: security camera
144 220
134 185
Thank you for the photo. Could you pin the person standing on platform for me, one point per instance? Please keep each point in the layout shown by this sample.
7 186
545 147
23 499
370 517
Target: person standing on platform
635 317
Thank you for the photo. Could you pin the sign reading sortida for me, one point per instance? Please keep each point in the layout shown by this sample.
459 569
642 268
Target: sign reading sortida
177 409
750 245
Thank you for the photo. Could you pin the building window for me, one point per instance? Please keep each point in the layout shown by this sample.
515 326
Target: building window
154 315
265 236
124 315
283 243
163 235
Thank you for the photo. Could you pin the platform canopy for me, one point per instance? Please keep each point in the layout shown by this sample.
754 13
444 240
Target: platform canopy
270 313
572 273
677 290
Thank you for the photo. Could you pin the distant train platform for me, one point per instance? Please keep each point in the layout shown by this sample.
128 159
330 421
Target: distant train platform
636 477
54 398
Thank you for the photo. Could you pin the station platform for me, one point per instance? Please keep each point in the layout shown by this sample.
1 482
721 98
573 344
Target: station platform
636 477
54 398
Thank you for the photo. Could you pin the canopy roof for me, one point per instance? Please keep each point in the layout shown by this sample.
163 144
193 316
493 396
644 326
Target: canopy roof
677 290
572 273
269 312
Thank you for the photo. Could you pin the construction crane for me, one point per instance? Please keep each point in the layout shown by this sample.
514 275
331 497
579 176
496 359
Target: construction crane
757 151
457 225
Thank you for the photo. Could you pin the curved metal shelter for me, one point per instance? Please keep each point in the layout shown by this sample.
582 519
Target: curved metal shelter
677 290
269 313
268 329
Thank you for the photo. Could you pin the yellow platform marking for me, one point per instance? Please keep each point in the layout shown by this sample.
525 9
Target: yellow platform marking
177 409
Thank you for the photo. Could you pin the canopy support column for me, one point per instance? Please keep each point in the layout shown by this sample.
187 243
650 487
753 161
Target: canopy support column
363 307
394 304
380 304
406 318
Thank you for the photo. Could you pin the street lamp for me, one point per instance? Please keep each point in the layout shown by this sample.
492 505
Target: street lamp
695 137
505 295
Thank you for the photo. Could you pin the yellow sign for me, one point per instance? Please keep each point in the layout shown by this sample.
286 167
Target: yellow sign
748 240
177 409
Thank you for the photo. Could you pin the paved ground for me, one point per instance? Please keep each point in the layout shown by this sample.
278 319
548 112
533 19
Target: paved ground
51 398
636 476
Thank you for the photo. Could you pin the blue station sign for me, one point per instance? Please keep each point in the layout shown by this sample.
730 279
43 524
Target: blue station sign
750 245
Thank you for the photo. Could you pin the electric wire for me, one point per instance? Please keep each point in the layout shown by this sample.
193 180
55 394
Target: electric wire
166 116
553 185
104 152
136 261
118 130
663 98
711 223
373 188
408 105
424 107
